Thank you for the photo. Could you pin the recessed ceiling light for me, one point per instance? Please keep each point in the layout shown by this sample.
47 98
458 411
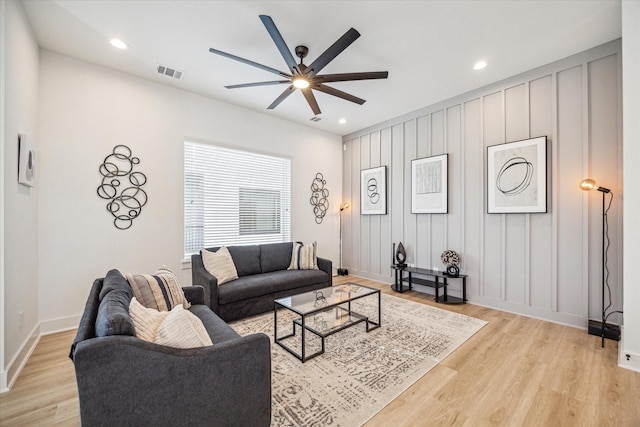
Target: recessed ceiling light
119 44
479 65
342 121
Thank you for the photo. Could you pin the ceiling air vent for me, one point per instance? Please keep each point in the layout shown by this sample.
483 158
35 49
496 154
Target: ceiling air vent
170 72
315 119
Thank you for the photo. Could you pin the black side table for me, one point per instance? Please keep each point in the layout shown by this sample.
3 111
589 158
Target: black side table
436 279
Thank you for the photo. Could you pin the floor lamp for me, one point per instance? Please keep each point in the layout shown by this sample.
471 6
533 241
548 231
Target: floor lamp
601 328
342 271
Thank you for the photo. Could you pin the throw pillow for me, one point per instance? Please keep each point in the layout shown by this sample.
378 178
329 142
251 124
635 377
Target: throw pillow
182 329
304 257
177 328
160 291
220 265
146 320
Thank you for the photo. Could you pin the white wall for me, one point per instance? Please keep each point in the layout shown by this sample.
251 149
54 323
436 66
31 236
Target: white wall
631 107
543 265
85 110
20 234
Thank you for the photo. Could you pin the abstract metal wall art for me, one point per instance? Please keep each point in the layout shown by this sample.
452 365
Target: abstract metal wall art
319 197
122 186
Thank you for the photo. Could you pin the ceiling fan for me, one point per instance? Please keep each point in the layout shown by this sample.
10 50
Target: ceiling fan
303 77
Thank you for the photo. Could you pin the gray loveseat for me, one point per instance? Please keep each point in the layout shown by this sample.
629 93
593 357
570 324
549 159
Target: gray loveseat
262 277
125 381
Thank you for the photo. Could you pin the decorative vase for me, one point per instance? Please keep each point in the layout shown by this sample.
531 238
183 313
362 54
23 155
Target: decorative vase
451 260
401 255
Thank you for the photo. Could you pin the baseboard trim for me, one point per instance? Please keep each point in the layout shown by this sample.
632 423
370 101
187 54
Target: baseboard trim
14 368
20 359
59 325
627 359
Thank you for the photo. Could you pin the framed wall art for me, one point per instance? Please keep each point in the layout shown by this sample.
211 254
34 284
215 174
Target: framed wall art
429 184
373 191
26 161
517 177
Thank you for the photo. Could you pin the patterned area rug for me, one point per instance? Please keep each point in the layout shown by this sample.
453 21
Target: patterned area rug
360 373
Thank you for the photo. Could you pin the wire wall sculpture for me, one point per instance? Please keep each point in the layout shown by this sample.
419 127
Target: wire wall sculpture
126 199
319 197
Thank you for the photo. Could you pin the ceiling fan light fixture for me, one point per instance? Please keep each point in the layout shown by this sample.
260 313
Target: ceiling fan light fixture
303 77
301 83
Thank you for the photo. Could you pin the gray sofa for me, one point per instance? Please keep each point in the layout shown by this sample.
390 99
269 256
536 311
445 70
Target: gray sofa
125 381
262 277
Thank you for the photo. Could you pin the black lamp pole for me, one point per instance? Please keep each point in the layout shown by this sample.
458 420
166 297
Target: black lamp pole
588 185
604 260
342 271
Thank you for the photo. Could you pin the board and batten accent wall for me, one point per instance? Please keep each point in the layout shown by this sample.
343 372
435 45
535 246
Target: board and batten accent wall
545 265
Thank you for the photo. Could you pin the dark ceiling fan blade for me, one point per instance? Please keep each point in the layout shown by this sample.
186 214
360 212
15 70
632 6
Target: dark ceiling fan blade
248 62
282 97
277 82
345 77
280 43
311 100
334 50
340 94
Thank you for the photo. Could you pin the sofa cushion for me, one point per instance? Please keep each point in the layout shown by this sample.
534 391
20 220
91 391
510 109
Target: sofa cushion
268 283
275 256
246 259
303 257
219 264
113 280
160 291
113 314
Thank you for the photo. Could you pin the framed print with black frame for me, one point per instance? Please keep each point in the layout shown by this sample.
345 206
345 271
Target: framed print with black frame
429 184
517 177
373 191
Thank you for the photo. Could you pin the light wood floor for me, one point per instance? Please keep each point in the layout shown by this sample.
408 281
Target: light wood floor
516 371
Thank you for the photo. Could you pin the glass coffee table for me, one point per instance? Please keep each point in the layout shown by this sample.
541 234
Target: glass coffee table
324 312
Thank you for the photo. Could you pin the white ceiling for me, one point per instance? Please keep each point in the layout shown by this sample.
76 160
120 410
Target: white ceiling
428 47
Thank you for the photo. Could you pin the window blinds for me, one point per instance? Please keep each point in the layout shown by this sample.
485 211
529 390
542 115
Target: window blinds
234 197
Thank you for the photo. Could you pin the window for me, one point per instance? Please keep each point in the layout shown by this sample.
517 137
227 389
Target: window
259 211
234 197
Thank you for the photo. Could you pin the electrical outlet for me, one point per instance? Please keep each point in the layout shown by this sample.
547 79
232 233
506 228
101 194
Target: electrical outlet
21 319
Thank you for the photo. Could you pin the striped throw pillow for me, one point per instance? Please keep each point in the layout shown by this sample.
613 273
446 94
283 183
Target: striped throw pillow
146 321
304 257
160 291
177 328
220 265
182 329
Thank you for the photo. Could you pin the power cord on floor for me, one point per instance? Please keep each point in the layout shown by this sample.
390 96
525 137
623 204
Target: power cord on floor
606 261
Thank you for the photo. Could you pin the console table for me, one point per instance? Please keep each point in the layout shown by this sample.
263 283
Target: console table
434 279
